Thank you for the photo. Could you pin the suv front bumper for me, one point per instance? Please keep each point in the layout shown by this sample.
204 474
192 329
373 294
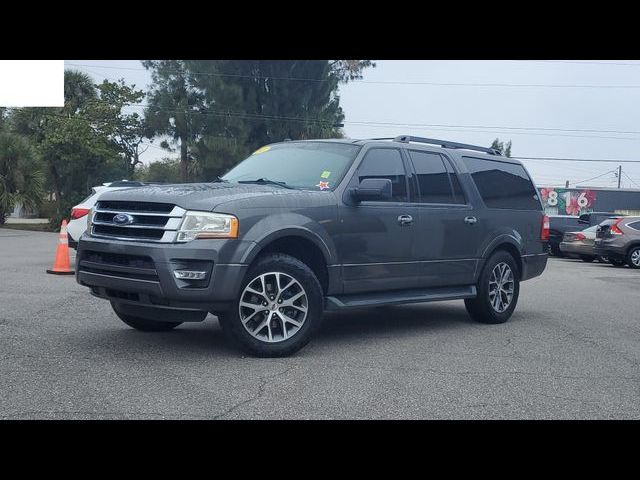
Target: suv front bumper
143 273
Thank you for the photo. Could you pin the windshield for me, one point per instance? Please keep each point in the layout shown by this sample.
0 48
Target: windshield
304 165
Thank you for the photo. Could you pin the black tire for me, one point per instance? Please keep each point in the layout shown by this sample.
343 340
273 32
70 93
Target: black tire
232 324
480 308
633 251
587 258
616 262
144 324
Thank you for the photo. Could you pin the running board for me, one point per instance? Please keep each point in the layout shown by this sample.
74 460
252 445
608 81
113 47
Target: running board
359 300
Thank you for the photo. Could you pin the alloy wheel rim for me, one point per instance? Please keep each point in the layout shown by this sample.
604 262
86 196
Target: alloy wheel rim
273 307
501 287
635 257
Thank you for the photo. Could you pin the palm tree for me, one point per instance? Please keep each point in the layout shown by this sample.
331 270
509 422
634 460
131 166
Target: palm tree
21 179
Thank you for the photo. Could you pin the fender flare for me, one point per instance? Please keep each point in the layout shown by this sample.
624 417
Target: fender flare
509 238
289 231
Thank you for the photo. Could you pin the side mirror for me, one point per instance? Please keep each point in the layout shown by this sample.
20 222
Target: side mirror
372 189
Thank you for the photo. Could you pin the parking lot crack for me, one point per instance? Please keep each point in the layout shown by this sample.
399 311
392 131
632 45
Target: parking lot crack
262 387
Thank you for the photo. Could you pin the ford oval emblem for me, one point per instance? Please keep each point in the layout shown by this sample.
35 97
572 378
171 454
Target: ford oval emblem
123 219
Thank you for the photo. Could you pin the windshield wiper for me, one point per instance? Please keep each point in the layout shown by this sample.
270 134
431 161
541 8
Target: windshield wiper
266 181
220 179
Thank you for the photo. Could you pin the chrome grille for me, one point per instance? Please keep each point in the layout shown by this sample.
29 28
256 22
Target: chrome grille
149 222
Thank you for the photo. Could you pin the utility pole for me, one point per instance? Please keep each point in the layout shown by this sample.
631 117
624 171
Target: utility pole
619 174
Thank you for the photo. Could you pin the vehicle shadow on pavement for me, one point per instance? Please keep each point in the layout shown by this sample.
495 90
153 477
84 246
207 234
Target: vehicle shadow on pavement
189 340
397 320
206 339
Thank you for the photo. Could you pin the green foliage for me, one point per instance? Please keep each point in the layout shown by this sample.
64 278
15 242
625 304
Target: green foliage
166 170
74 144
3 118
125 131
21 178
220 111
174 107
502 147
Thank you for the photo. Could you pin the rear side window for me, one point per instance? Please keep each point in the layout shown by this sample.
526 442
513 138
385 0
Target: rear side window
386 163
634 225
502 184
437 181
434 184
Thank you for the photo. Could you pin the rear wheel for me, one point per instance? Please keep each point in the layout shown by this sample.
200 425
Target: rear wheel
279 308
143 324
498 290
633 257
587 258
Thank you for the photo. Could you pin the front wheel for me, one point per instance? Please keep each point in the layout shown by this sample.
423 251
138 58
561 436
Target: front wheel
633 257
498 289
279 308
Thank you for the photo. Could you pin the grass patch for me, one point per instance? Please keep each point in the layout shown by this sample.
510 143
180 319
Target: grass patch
35 227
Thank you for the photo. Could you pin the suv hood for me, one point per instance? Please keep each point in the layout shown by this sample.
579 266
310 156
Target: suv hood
196 196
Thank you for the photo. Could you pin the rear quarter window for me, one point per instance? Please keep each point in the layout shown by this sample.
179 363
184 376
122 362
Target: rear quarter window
503 185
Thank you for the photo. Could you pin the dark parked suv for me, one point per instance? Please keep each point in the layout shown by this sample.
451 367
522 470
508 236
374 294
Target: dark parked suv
304 227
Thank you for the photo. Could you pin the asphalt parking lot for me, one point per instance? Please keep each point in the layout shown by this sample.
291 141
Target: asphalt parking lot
571 351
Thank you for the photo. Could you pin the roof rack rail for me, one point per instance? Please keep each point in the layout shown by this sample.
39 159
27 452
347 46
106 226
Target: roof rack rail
446 144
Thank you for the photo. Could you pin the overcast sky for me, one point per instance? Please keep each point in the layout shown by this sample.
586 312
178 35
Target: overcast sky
540 105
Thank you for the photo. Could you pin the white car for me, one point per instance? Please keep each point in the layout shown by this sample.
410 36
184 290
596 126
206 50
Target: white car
78 221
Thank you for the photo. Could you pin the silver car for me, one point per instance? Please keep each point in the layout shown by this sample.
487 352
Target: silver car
580 243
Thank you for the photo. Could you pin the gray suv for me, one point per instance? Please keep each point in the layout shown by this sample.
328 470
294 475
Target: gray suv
304 227
619 240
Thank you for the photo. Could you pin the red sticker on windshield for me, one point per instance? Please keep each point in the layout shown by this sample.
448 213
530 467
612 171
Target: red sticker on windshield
323 185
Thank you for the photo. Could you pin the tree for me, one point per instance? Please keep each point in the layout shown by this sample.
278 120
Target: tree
21 179
72 143
174 107
3 115
247 104
166 170
505 149
126 131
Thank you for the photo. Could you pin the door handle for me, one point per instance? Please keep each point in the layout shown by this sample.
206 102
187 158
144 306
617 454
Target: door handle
405 220
470 220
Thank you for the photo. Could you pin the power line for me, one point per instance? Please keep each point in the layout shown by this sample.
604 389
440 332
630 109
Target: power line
380 82
495 128
487 129
630 179
411 125
586 62
608 160
594 178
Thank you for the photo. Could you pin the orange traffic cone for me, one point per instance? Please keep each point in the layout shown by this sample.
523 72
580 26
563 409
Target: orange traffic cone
61 263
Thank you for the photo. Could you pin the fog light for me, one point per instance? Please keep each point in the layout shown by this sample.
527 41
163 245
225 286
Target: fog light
190 275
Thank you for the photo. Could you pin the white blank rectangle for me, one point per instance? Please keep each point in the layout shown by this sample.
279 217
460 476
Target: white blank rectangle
31 83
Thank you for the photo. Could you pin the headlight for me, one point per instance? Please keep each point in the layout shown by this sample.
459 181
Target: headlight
207 225
89 219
